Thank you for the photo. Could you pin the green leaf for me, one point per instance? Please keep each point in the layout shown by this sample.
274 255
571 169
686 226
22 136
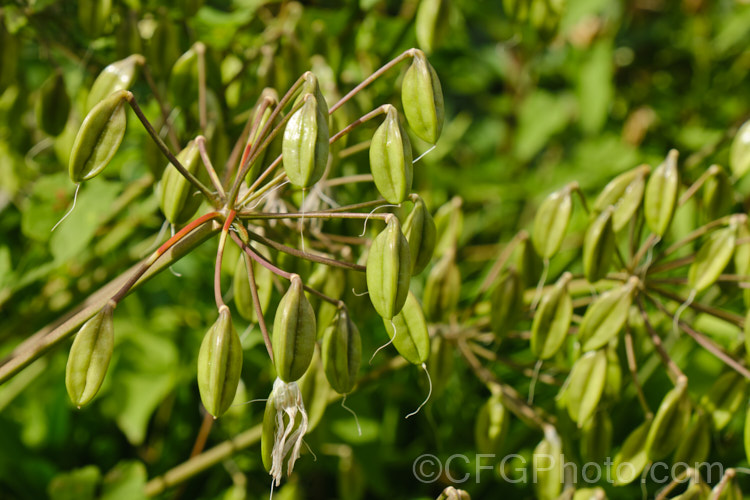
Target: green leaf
127 481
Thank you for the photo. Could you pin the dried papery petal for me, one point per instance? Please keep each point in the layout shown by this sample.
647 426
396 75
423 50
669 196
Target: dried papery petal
389 270
117 76
551 222
315 389
341 352
391 159
89 357
422 99
552 320
53 105
670 422
176 194
219 364
661 197
408 332
420 231
294 333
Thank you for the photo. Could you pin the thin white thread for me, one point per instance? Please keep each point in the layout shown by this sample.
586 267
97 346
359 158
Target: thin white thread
395 332
359 294
270 497
302 223
35 150
159 236
260 200
364 229
540 286
330 201
171 269
248 402
246 333
534 378
681 309
429 393
75 197
424 154
356 420
315 457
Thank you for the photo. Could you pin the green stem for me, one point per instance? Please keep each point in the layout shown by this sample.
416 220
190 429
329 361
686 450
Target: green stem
219 257
711 172
304 255
201 142
735 319
672 367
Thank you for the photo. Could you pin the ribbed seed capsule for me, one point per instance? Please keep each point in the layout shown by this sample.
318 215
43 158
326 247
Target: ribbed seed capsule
624 193
547 462
491 426
389 270
606 316
599 246
176 193
739 152
585 385
442 288
419 229
342 352
99 137
305 144
243 298
670 422
391 159
219 364
632 457
718 194
183 79
312 86
117 76
724 398
596 437
661 197
551 222
410 337
529 264
422 99
432 23
53 105
696 443
294 333
507 302
552 320
89 357
712 257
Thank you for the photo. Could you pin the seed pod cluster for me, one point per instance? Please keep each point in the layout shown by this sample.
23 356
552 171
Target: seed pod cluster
89 357
713 256
585 385
632 457
391 159
241 285
294 333
389 270
219 364
624 194
606 316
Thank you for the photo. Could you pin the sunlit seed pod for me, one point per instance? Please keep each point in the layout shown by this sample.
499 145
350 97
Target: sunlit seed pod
451 493
599 246
632 457
315 390
506 301
432 23
670 422
117 76
53 105
551 323
422 99
311 85
294 333
389 270
89 357
441 363
739 152
177 198
305 144
341 352
596 437
243 298
491 426
94 16
442 289
219 364
712 257
624 193
551 222
585 385
420 231
410 336
661 196
718 195
547 462
724 398
746 332
449 223
606 316
391 159
99 137
696 442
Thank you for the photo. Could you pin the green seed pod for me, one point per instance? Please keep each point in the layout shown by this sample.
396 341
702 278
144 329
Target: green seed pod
451 493
506 301
662 193
89 357
410 337
696 443
176 194
599 246
547 464
624 193
183 79
491 426
164 46
632 457
305 144
94 16
449 223
342 352
420 233
724 398
117 76
585 385
389 270
696 491
53 105
391 159
552 320
442 288
422 99
432 23
441 363
712 257
294 333
312 86
606 316
589 494
718 194
529 264
243 298
315 390
219 364
596 437
551 222
99 137
670 422
739 152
